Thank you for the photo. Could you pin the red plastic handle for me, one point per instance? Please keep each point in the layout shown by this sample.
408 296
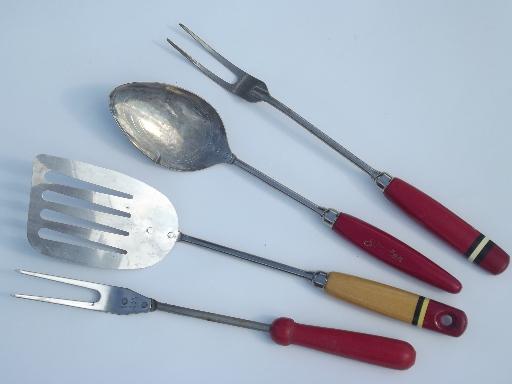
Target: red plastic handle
378 350
394 252
448 226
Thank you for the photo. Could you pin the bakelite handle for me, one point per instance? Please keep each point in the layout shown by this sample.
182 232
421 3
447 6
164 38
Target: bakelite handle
397 303
378 350
448 226
394 252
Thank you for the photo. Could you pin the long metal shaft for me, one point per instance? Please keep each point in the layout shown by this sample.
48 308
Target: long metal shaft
277 185
209 316
247 256
321 135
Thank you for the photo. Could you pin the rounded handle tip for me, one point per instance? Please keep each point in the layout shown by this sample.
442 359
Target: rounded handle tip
496 261
453 286
406 357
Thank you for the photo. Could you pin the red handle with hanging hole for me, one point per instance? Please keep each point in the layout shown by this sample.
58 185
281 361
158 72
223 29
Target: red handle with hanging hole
443 318
394 252
448 226
378 350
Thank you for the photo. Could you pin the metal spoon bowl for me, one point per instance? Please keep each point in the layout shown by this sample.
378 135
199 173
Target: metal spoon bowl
173 127
179 130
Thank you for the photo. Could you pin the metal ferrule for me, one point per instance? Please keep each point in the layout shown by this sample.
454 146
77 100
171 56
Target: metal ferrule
319 279
383 180
330 216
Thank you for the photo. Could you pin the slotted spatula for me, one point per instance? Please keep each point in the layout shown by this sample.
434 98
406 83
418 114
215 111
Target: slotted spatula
102 218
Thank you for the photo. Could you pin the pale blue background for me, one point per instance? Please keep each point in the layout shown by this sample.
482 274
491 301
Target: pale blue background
422 89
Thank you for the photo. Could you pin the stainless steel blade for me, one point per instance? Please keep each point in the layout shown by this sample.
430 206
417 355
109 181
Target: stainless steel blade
98 217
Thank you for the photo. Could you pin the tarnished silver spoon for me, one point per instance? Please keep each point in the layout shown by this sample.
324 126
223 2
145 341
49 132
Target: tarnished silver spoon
178 130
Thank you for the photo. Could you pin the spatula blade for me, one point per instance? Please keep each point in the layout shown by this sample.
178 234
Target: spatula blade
97 217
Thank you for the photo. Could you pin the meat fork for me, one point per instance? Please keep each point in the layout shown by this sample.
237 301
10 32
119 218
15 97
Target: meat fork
472 244
378 350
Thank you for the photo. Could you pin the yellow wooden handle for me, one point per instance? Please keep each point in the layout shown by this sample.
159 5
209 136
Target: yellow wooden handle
385 299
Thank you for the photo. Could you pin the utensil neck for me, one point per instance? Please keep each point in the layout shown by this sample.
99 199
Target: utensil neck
247 256
372 172
280 187
209 316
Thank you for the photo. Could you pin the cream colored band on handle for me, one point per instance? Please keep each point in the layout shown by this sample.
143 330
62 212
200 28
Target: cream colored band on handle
478 249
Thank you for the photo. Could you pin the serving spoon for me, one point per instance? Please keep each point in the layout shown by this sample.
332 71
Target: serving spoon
179 130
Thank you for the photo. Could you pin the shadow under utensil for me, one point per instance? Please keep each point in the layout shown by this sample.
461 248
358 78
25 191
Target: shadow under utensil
6 276
89 104
164 45
15 184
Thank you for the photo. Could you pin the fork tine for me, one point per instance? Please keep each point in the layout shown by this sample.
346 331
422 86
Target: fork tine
237 71
71 303
66 280
202 68
113 299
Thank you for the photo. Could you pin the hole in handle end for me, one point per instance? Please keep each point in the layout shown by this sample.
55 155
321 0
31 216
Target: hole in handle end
445 319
